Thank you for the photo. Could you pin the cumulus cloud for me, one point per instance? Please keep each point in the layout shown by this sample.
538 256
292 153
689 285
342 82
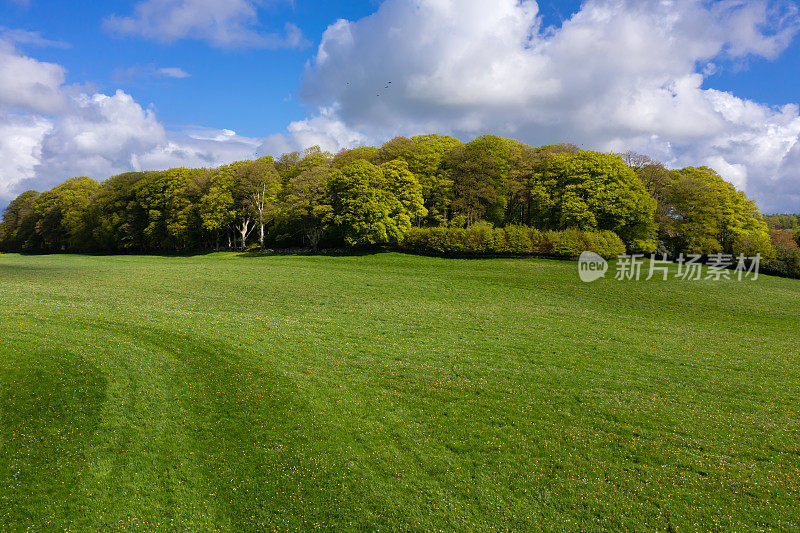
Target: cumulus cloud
49 132
228 24
324 130
21 139
619 74
102 135
28 84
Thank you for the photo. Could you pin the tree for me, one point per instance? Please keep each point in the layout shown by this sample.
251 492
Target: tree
61 215
307 203
18 228
115 217
706 214
424 155
479 171
216 210
589 191
265 186
636 160
374 205
347 156
787 253
405 188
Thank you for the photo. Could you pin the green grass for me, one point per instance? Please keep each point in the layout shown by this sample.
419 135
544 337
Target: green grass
391 392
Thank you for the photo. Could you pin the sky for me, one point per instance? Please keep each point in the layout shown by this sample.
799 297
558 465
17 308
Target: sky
99 88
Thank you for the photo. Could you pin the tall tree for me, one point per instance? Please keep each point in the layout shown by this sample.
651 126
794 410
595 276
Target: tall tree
479 170
708 215
307 203
374 205
424 155
61 214
18 229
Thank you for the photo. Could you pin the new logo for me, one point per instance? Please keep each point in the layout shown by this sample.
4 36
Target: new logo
591 267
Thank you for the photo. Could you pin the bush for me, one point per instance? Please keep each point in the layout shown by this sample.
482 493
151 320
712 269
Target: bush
787 254
483 239
519 240
570 244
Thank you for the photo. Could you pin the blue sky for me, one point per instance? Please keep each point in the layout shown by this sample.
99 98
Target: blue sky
163 81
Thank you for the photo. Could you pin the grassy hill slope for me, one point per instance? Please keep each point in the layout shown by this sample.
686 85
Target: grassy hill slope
391 392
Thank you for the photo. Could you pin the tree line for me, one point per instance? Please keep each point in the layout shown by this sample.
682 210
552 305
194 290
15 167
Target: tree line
376 195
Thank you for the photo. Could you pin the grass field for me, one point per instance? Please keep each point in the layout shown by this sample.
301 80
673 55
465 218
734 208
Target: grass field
391 392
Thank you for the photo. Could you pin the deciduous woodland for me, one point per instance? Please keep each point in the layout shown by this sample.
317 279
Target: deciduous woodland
427 193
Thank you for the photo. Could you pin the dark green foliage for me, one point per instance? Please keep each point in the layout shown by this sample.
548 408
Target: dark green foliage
479 172
787 253
18 228
779 222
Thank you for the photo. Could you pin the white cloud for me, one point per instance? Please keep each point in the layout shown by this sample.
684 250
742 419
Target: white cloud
104 135
20 150
173 72
49 132
619 74
324 130
27 84
33 38
226 24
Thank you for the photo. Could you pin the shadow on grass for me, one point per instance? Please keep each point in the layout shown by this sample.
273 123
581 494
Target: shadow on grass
327 252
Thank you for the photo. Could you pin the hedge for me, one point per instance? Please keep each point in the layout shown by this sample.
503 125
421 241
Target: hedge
512 240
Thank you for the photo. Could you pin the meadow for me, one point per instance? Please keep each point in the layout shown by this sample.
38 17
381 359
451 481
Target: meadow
392 392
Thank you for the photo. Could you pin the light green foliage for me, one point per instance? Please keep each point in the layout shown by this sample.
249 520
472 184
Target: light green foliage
424 155
61 214
590 191
572 242
406 189
706 214
482 239
375 205
345 157
216 208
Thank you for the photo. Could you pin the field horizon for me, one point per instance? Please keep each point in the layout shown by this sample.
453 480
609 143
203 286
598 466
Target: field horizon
386 391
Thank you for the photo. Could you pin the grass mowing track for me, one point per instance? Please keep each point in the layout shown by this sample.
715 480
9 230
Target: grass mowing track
391 392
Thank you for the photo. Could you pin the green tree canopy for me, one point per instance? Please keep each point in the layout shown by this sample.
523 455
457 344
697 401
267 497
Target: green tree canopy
375 205
590 191
706 214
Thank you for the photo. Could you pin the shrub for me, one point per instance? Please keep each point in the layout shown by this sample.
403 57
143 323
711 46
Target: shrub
513 240
569 244
787 254
519 239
